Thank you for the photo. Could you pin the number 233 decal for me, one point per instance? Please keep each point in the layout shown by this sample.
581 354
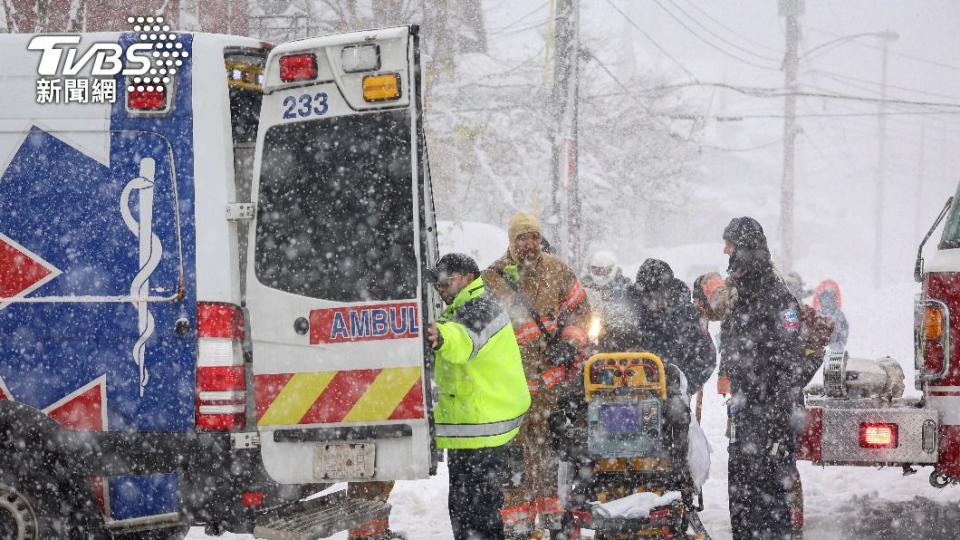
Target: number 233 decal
305 105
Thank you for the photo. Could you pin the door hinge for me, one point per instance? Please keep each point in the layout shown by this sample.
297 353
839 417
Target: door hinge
241 211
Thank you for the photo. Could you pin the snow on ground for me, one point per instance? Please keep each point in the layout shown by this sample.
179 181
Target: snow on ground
841 503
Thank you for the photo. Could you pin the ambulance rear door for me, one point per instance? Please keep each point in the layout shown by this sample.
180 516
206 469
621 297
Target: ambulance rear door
342 233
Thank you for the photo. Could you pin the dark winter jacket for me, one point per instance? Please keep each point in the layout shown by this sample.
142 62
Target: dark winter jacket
663 320
760 345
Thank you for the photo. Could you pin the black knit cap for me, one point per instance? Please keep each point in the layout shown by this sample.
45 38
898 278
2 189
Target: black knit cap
653 274
452 263
745 232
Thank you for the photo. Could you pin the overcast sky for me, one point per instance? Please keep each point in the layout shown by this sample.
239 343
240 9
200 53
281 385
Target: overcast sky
741 43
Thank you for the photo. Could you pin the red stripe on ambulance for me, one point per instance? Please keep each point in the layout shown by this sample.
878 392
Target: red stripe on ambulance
340 396
267 387
364 323
411 406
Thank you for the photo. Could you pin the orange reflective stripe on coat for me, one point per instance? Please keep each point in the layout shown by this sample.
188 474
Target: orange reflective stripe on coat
339 396
548 380
531 331
548 506
574 297
575 333
554 376
516 514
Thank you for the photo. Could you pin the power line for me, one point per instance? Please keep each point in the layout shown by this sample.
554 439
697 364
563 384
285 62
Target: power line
651 40
721 38
840 78
711 44
642 103
778 92
519 19
747 149
693 4
903 55
735 117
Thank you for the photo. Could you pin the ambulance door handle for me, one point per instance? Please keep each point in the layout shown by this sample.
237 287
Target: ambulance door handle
301 326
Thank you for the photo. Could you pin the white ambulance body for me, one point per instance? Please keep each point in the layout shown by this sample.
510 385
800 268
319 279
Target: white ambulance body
343 232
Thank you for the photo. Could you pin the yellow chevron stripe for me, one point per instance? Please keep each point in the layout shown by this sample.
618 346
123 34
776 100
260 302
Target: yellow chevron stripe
296 398
384 394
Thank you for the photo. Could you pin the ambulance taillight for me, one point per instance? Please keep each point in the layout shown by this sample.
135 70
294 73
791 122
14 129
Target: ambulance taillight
148 95
878 435
298 67
221 377
146 100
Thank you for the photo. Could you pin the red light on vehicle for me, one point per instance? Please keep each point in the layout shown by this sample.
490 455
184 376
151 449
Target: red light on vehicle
875 435
215 320
147 100
220 422
251 499
298 67
660 516
221 378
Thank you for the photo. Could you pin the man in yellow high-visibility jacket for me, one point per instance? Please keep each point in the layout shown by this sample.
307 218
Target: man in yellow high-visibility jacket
483 395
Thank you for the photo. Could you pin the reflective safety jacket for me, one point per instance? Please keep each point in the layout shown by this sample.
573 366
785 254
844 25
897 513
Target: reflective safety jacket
479 373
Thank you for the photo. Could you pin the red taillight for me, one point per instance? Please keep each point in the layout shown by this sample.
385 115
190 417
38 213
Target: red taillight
147 100
298 67
660 517
219 321
877 435
251 499
221 376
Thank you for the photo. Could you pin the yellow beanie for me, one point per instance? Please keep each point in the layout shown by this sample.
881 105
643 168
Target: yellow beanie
522 223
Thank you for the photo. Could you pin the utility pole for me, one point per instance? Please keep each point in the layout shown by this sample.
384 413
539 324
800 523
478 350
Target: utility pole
918 213
563 226
573 146
881 169
791 9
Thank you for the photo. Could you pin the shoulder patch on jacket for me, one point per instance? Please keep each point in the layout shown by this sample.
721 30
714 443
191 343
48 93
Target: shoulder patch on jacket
790 320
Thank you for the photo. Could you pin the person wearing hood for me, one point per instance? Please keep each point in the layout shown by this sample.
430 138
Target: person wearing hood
828 302
658 316
549 309
760 348
605 282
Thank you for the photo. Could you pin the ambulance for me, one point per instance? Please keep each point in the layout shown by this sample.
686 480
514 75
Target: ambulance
211 280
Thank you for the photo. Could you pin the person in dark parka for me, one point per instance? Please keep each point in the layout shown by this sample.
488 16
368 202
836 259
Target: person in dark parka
657 315
760 346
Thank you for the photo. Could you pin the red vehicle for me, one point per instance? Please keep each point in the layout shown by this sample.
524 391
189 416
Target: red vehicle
860 418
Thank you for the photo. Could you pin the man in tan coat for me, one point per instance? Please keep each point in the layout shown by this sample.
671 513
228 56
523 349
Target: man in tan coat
525 280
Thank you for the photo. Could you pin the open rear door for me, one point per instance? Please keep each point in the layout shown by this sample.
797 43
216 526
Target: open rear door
342 233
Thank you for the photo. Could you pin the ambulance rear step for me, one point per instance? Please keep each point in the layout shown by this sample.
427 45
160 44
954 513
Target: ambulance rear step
318 518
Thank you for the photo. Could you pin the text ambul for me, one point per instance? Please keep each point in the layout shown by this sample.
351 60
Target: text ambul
364 323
